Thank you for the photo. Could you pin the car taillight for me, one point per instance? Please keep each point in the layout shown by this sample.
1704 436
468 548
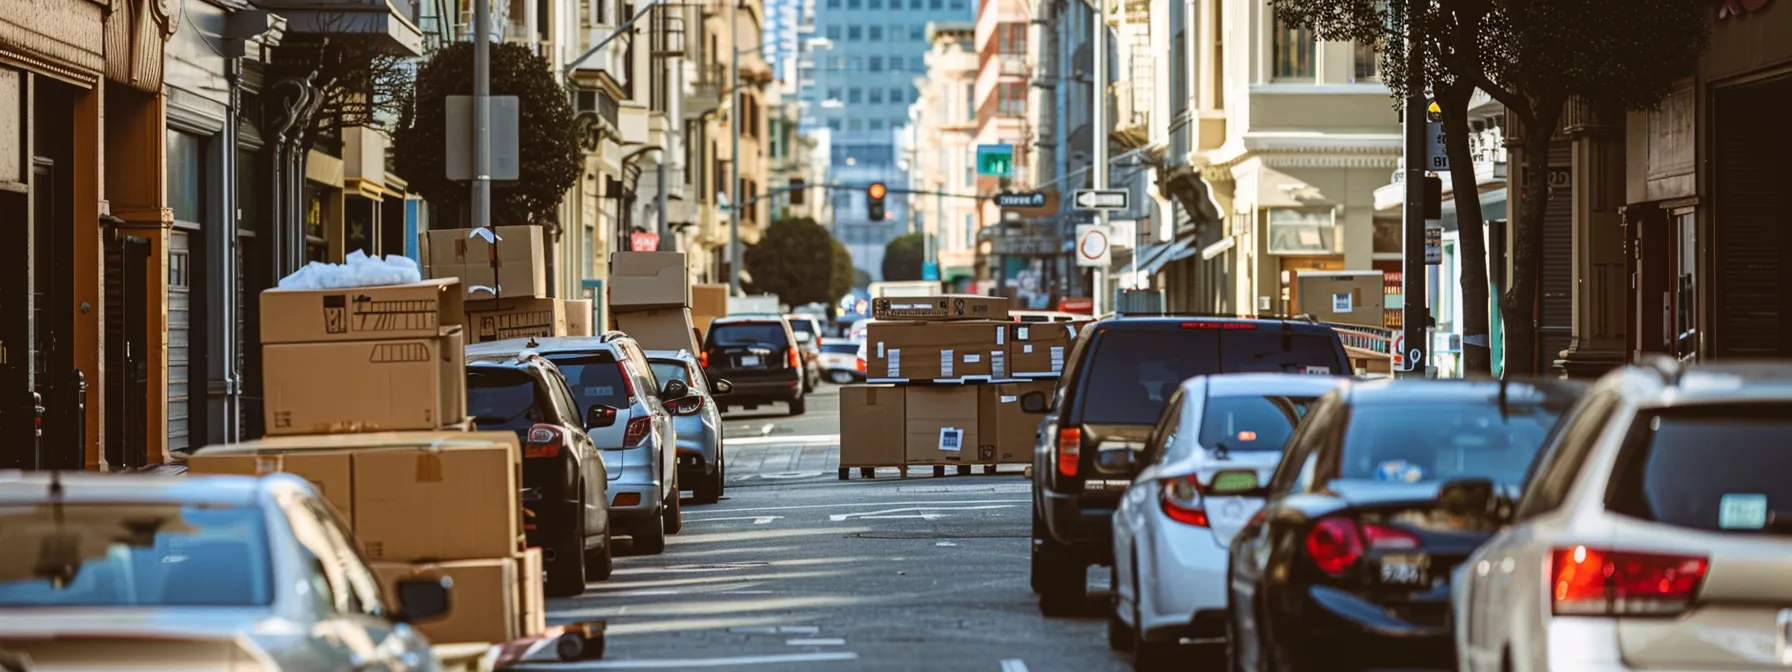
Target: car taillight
628 382
637 429
703 359
1181 501
793 359
1335 544
861 364
1070 450
1590 581
544 441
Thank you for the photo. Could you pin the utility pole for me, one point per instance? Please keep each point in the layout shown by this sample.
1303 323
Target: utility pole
482 113
1415 312
939 225
735 118
1100 118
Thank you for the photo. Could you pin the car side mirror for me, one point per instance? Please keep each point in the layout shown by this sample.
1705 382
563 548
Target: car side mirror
1033 402
599 415
1468 497
423 599
720 387
1236 483
675 389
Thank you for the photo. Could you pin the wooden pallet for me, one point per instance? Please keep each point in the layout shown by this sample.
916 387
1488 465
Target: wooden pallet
939 470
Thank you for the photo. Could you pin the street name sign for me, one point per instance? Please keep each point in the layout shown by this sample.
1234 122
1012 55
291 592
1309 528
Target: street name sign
1028 199
1103 199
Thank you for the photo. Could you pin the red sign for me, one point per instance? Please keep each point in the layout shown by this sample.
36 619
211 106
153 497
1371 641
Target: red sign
644 242
1729 8
1079 305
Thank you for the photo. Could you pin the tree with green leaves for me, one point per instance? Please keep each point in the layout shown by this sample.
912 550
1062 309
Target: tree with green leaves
1532 56
903 257
549 152
794 259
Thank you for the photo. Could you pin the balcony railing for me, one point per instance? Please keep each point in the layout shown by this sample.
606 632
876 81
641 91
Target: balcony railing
1013 65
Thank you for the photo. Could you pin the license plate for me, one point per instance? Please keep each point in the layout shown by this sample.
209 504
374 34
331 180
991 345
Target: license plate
749 360
1404 570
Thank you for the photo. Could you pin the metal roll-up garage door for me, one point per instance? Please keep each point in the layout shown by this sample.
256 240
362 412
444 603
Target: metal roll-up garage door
1749 316
1555 314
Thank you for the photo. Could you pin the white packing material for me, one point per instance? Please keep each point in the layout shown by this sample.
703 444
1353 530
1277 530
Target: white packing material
359 271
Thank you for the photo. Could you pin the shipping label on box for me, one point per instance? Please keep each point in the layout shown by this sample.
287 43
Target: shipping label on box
944 307
932 350
415 310
437 504
364 386
942 425
515 318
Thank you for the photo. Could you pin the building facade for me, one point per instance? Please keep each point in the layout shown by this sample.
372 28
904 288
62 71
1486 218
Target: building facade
940 147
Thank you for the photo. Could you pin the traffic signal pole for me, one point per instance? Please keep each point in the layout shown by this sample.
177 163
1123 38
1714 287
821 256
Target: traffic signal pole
1100 118
1415 311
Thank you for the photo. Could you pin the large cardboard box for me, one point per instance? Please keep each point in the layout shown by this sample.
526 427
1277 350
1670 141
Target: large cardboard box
942 426
501 319
708 302
578 317
648 280
532 598
364 386
1039 348
659 329
911 351
521 263
437 503
943 307
1344 297
873 425
1016 431
485 601
415 310
332 471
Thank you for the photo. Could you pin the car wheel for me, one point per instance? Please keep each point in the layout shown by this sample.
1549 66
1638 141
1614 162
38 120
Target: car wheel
1119 633
1149 655
798 405
708 489
600 562
674 510
808 383
566 571
650 535
1058 577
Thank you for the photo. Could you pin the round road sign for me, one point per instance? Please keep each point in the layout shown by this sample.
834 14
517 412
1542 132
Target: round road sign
1094 244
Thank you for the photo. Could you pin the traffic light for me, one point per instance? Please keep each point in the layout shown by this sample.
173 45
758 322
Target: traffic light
796 191
874 204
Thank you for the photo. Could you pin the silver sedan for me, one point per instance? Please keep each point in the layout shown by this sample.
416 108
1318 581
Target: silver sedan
698 422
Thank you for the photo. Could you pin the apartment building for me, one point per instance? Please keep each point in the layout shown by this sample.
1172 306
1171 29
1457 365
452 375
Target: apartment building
940 147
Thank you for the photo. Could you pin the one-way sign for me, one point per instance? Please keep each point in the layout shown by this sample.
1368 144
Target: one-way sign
1102 199
1030 199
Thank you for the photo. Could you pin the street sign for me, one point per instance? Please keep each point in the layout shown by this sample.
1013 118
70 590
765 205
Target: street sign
1029 199
1125 233
1027 245
1092 246
995 160
643 241
1103 199
458 137
930 270
1437 156
1434 245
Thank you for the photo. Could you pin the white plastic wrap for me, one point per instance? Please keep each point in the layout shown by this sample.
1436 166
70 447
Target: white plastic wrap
359 271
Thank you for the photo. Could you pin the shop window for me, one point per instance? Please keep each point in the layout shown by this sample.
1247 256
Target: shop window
1293 50
1304 231
1686 288
317 244
1368 63
186 176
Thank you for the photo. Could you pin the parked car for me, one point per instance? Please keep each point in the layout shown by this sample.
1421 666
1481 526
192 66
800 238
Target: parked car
1042 316
1386 486
614 385
565 482
838 360
701 463
199 573
1174 523
808 337
1649 533
760 356
1116 380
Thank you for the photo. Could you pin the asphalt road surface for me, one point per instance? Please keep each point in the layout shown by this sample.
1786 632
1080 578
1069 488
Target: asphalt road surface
797 570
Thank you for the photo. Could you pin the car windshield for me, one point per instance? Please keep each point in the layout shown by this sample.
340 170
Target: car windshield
1715 469
134 555
1134 371
747 334
501 398
667 372
1251 422
594 380
840 348
1440 441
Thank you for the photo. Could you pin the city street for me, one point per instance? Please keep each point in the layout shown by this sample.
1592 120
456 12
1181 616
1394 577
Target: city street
795 569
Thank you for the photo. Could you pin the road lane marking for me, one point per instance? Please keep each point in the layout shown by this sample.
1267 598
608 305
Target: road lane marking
757 520
838 505
928 512
665 664
815 642
1014 665
781 476
783 440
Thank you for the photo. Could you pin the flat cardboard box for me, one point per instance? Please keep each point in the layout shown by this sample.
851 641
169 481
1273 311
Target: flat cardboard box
578 317
1343 297
332 472
942 426
873 425
659 329
416 310
364 386
1039 348
436 504
532 598
484 601
520 256
912 351
501 319
708 302
943 307
648 280
1016 431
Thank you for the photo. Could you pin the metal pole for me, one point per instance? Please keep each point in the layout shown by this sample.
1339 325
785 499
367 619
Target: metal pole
734 121
665 224
1100 118
482 113
1414 311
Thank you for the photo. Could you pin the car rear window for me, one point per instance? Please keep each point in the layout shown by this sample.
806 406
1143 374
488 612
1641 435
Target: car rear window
1440 441
499 398
748 333
1253 423
840 348
1267 350
1134 371
135 556
1717 469
594 380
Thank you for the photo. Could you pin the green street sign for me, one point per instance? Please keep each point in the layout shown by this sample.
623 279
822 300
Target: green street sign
995 160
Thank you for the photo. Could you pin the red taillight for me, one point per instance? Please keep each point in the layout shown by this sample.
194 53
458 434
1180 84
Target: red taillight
1229 326
703 359
544 441
793 359
637 429
1335 544
1181 501
628 382
861 363
1070 450
1590 581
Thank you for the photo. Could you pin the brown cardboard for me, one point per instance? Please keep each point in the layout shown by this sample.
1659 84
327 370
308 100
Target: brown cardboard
648 280
659 329
521 260
578 317
364 386
937 414
873 425
708 302
484 601
943 307
416 310
332 472
531 596
1343 297
436 504
1016 431
936 350
497 320
1039 348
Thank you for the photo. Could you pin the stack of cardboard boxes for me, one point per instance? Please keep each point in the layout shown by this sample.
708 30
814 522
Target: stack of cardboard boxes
650 300
944 378
503 272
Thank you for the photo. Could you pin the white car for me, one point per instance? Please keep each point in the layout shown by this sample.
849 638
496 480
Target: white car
1171 529
1648 536
839 360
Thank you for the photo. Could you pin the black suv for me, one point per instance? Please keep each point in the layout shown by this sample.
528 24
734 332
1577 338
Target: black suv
564 499
760 356
1116 381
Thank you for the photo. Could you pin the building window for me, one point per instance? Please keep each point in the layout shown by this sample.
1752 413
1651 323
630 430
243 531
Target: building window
1387 237
970 232
854 125
1368 63
834 93
914 4
834 31
1293 49
877 96
855 95
853 4
1686 285
1011 100
877 33
1011 39
877 65
970 102
917 34
916 64
958 5
186 176
834 4
877 4
1304 231
934 4
853 33
833 124
897 96
895 61
877 124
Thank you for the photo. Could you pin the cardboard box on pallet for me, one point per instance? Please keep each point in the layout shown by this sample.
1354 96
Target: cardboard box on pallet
464 253
922 351
873 425
531 593
485 605
659 328
1039 348
331 387
942 426
708 302
415 310
500 319
943 307
641 280
1016 431
331 471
